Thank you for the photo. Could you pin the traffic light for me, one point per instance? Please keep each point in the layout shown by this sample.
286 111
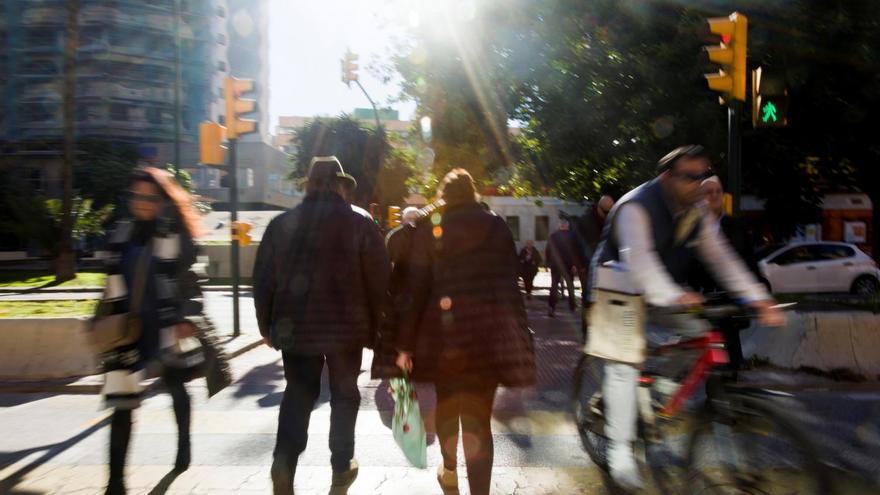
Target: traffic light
211 149
241 233
769 101
731 54
349 67
236 105
393 216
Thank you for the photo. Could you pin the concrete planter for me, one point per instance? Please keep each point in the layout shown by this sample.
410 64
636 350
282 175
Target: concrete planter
41 348
827 341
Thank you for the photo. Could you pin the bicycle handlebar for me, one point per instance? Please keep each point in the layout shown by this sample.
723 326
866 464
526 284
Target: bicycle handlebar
713 311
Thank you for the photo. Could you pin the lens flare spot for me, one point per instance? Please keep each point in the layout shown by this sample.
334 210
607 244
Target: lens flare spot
446 303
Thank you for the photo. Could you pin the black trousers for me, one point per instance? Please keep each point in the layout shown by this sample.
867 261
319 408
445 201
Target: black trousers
303 374
556 277
469 404
120 425
528 277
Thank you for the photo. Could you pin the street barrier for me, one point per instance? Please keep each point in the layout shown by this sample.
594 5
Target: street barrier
43 348
826 341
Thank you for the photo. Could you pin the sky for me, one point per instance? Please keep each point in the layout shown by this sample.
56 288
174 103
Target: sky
307 39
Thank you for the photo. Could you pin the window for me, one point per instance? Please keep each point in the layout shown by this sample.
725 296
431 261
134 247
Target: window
221 66
119 112
221 12
221 38
799 254
827 252
513 223
542 228
154 115
221 119
221 92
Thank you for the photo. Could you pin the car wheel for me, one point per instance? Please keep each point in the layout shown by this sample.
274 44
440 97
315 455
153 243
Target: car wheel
865 286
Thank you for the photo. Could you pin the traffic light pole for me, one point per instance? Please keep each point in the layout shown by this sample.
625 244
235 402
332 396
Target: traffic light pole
234 254
375 111
734 154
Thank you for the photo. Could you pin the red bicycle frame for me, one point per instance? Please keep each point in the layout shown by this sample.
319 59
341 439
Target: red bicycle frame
714 354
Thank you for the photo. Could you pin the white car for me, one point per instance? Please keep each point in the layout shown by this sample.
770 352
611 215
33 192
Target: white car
819 267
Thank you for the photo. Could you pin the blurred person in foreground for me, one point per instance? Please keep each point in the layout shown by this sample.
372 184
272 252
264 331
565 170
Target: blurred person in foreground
465 327
529 262
320 280
151 250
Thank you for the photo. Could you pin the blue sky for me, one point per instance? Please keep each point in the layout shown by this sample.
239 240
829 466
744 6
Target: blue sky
307 38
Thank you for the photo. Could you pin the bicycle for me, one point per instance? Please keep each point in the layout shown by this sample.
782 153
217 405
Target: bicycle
739 442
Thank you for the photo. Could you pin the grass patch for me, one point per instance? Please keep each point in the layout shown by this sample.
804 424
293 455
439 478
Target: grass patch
43 309
23 279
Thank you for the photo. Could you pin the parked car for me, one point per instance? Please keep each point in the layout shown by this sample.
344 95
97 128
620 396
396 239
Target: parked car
819 267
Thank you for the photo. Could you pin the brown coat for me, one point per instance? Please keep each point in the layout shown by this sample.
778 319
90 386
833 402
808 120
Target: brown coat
464 315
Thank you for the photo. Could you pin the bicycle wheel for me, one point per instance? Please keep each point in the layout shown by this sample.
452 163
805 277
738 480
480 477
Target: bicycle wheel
750 448
588 409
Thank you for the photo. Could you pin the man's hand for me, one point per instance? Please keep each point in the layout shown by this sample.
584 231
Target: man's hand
404 361
689 299
768 314
268 342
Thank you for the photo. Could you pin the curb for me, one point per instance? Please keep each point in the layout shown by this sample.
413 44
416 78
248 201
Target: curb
91 388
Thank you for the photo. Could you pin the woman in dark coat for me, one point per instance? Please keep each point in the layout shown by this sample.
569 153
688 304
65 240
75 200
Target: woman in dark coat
152 252
465 327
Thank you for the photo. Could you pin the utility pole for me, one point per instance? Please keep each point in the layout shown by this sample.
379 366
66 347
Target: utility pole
349 74
177 85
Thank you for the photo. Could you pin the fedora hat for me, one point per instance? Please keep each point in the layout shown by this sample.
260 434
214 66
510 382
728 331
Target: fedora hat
323 168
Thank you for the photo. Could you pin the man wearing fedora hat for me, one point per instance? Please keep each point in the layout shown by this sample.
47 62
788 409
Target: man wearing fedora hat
320 279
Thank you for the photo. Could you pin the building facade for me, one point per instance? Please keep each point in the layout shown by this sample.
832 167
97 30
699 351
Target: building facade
125 71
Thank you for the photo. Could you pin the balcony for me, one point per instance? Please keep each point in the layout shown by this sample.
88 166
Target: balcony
138 92
40 92
43 16
100 15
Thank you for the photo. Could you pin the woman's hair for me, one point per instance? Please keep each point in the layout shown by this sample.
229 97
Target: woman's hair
457 187
176 195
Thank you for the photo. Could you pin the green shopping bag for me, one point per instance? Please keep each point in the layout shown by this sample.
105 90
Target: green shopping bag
407 425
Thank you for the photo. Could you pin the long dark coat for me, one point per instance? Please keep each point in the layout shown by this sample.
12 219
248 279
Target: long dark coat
465 316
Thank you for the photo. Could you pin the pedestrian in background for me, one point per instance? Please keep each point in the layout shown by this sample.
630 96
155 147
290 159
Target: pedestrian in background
465 329
566 262
151 251
529 262
737 235
320 282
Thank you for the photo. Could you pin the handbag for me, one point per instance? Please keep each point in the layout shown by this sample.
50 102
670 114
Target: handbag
108 332
407 425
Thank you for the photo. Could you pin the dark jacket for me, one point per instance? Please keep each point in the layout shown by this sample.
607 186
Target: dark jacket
737 234
529 261
588 228
563 252
399 244
320 278
466 318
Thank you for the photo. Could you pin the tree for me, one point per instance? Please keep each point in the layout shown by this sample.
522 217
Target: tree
361 151
104 171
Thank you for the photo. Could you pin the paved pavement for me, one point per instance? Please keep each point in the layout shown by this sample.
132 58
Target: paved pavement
56 443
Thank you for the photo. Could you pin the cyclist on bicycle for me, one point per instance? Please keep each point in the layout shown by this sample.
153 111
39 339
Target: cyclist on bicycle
657 232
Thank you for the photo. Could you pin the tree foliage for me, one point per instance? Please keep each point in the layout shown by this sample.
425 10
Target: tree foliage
606 87
381 171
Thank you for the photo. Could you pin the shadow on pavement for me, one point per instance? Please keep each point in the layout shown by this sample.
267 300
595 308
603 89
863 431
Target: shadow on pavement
165 483
51 451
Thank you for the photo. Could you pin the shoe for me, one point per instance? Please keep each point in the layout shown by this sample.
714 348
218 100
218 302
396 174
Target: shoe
448 478
551 313
282 479
623 468
346 478
181 464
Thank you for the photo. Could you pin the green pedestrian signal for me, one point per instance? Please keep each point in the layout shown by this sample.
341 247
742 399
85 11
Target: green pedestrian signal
768 113
769 100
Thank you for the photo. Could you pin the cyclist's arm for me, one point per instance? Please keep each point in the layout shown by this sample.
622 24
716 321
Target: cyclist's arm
633 230
728 268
